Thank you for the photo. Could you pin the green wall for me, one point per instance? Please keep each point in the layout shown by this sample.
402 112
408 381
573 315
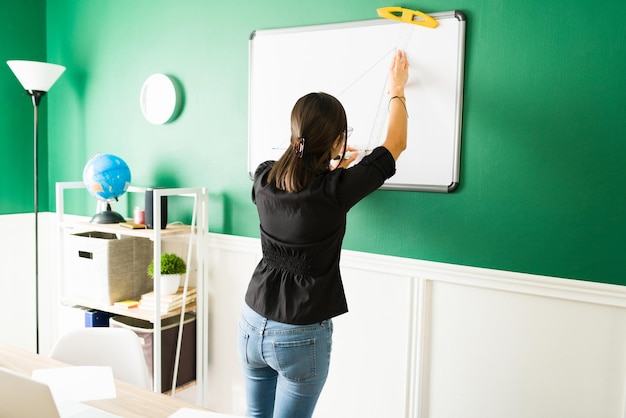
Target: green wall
542 177
22 37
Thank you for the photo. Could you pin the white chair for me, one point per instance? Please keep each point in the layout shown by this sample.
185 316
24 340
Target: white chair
118 348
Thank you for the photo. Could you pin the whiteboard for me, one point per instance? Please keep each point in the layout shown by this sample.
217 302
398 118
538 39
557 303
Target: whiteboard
351 61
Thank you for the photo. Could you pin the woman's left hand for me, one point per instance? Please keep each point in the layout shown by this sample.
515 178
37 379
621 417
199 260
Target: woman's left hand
348 159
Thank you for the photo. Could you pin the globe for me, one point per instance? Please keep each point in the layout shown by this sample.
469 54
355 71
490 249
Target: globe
106 177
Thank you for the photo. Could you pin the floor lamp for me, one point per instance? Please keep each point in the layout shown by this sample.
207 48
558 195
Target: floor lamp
36 78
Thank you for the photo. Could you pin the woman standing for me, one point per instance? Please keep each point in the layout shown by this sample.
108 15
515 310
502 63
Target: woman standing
285 330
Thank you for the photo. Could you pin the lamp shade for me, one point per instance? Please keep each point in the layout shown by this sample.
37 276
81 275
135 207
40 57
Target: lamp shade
34 75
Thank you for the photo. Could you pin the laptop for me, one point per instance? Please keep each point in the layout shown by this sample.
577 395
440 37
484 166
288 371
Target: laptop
23 397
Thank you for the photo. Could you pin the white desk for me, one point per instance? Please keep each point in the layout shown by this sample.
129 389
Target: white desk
131 401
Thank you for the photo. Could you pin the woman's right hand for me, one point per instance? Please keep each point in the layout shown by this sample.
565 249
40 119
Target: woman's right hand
398 74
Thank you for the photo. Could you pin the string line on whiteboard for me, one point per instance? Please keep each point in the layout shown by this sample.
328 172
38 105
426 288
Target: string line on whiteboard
370 68
282 146
378 124
380 119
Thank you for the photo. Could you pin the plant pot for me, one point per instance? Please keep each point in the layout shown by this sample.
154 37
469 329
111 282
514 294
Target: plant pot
169 283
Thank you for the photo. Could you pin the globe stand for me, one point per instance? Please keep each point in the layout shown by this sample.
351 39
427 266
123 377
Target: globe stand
107 216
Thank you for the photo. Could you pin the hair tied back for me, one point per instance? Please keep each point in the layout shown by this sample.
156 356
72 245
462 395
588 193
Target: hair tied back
299 146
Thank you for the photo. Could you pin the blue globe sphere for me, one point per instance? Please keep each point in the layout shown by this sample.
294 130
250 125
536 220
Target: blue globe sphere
106 176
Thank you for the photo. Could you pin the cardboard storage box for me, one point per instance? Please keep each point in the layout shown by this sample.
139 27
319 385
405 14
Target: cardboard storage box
169 339
103 269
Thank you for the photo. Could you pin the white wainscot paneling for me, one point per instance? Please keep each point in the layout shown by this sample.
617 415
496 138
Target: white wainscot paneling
421 340
17 281
432 340
372 348
231 262
493 353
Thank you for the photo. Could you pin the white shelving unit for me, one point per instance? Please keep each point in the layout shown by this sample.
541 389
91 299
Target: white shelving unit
197 234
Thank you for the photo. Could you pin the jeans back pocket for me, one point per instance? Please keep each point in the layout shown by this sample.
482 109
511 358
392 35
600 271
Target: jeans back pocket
296 360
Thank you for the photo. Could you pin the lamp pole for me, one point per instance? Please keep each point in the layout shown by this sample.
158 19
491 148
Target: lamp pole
36 96
36 78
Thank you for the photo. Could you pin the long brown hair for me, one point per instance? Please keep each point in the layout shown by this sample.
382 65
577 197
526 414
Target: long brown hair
317 120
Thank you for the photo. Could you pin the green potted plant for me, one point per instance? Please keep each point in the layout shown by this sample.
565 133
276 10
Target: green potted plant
172 266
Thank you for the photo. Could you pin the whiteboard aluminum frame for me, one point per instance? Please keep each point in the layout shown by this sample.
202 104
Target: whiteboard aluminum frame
389 184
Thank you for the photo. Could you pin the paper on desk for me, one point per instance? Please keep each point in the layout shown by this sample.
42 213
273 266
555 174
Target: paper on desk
196 413
78 383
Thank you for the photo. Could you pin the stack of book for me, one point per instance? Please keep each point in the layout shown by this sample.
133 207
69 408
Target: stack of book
168 302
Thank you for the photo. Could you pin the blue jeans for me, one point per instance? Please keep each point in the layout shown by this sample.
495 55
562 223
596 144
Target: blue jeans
285 366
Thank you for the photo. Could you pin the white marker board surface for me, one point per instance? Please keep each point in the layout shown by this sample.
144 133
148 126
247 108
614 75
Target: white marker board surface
351 61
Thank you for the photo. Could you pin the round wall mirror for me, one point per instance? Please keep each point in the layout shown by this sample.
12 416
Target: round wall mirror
160 99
